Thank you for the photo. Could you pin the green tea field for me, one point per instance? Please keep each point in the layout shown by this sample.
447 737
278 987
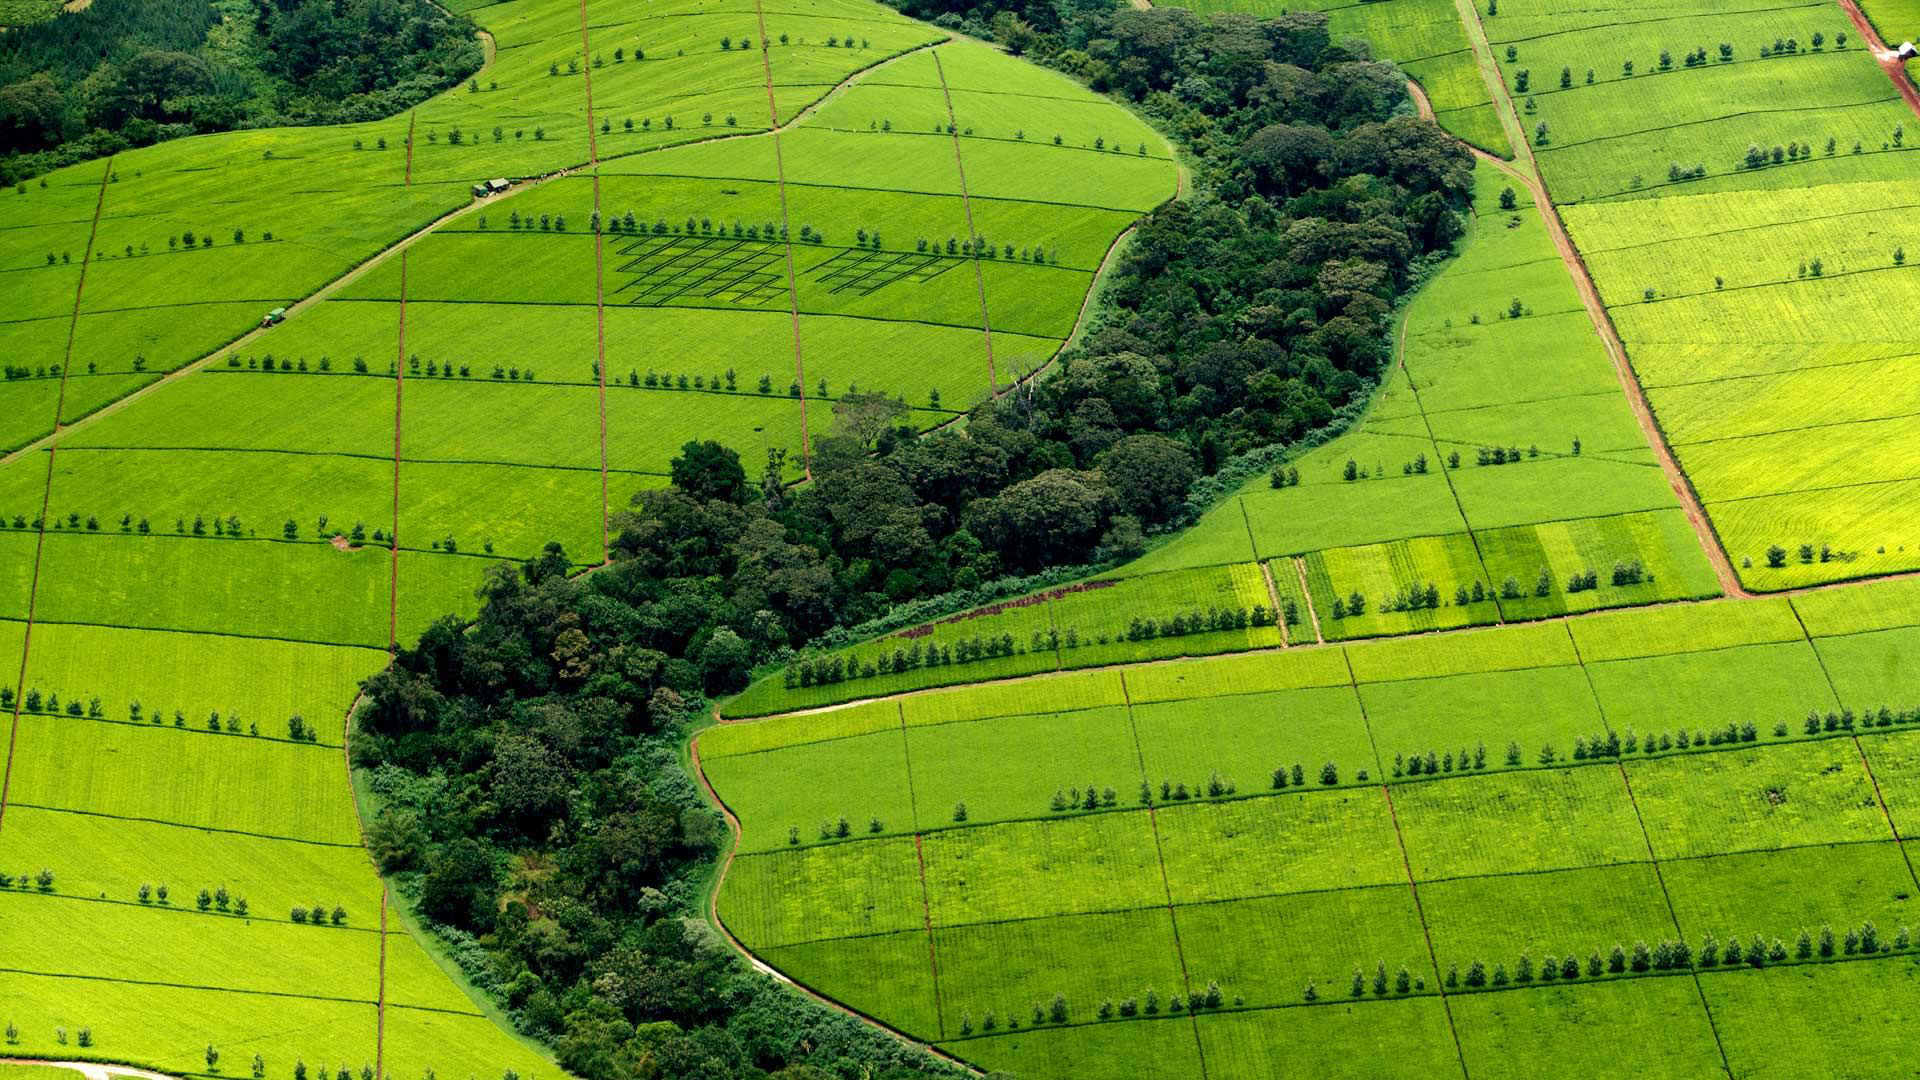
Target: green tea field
1543 702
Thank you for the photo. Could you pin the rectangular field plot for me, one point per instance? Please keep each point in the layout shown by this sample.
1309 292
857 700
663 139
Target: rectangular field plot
1009 967
1872 669
1767 893
1405 586
1245 737
1552 819
506 509
1268 949
1757 799
1466 713
1333 513
1101 862
1684 628
264 683
147 1021
1011 767
1473 652
728 740
811 788
1157 1049
1896 765
863 887
1660 543
1561 913
886 976
419 1042
1376 1039
269 788
1277 845
122 855
1225 676
1878 605
1502 1033
1537 490
1773 1020
657 270
176 944
1761 684
1060 693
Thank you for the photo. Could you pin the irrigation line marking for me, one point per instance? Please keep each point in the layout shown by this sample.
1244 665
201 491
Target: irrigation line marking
1899 842
599 285
1446 473
1160 855
46 491
926 899
1420 911
793 287
966 205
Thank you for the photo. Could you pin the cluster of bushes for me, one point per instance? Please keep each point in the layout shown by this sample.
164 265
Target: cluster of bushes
1296 776
1057 1012
1404 982
1845 720
1642 958
83 1037
1777 555
1432 763
42 881
269 363
826 670
318 915
22 371
217 899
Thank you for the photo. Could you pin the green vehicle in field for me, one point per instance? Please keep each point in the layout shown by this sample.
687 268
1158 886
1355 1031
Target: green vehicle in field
278 314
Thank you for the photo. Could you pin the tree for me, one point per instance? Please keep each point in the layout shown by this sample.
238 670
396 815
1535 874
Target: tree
1057 1012
865 416
1508 198
708 470
213 1058
1149 475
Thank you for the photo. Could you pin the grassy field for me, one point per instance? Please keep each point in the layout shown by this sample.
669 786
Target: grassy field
1034 893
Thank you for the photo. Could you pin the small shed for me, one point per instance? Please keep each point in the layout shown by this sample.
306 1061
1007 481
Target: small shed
1907 51
498 184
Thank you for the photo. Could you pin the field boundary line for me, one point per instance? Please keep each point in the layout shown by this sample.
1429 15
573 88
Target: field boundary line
1899 842
1166 884
1626 782
1535 182
1818 108
599 283
46 491
786 240
1646 22
1300 568
393 538
920 857
1360 703
1440 463
933 956
966 206
354 845
1433 957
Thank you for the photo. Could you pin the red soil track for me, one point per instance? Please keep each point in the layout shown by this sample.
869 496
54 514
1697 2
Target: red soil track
1890 63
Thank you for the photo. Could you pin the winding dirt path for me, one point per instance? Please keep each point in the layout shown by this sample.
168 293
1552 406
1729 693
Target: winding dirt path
92 1070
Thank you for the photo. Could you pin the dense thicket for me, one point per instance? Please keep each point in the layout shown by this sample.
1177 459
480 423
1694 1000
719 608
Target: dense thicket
533 794
132 72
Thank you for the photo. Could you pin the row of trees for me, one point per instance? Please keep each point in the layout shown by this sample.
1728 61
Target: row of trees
43 881
1058 1012
83 1037
318 915
825 670
216 899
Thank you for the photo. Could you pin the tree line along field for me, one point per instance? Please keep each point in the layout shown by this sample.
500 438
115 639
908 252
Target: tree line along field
1359 860
1498 476
1760 186
208 568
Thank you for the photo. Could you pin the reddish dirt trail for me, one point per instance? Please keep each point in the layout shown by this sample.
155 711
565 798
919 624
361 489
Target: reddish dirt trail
1890 62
